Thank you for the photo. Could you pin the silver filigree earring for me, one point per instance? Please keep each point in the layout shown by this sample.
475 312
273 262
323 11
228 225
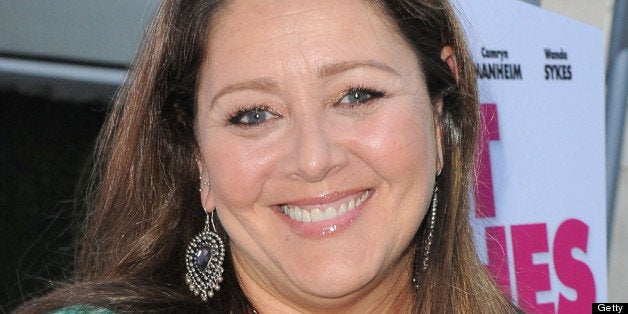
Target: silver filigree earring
427 241
203 260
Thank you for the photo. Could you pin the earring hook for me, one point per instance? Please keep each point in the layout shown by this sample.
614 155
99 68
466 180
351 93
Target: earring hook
209 217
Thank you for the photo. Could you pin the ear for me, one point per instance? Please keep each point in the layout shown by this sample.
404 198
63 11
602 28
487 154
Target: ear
207 199
438 135
447 55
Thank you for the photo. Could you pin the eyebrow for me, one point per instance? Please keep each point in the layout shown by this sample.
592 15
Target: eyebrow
336 68
261 84
266 84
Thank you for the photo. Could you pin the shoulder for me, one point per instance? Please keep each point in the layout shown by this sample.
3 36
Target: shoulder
82 309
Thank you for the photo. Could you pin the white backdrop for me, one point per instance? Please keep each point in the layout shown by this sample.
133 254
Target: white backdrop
540 219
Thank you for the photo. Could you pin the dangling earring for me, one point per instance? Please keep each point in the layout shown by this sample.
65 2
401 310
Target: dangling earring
427 241
203 260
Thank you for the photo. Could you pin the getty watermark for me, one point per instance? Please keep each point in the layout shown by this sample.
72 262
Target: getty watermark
609 308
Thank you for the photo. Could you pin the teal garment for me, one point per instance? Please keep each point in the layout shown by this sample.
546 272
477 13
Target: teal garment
82 310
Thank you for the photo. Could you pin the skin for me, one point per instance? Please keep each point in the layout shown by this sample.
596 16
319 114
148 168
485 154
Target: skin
299 60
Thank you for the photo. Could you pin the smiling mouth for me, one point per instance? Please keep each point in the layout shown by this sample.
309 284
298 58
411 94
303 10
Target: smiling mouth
315 213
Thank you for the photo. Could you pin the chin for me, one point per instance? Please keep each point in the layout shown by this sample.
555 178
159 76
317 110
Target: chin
336 282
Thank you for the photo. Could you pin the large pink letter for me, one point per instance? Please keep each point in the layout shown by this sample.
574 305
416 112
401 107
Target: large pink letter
527 240
573 273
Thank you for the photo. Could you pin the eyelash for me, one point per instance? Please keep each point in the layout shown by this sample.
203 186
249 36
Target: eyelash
236 117
373 93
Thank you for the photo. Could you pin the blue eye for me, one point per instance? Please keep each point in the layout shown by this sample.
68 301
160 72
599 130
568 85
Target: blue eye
360 96
251 117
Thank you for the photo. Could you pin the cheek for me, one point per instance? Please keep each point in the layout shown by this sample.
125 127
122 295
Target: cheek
400 143
237 169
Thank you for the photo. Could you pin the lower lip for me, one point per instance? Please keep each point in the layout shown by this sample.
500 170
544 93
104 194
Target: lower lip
324 228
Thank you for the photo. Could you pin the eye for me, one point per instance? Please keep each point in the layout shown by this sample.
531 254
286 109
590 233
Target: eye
360 96
251 117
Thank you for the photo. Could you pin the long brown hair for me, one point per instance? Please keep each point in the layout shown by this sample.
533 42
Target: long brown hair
143 203
455 281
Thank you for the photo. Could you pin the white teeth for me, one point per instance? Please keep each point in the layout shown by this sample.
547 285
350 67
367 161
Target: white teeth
305 216
342 210
318 214
298 214
331 213
363 198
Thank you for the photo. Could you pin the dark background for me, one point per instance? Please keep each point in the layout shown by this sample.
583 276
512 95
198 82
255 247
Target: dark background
44 147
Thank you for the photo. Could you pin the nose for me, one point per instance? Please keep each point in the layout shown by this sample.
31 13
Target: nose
318 151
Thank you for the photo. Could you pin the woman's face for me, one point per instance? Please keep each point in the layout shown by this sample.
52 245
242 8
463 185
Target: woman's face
319 139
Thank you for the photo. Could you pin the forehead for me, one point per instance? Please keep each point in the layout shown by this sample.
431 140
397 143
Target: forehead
299 36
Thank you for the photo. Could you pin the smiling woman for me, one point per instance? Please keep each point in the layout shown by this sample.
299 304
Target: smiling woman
332 125
333 144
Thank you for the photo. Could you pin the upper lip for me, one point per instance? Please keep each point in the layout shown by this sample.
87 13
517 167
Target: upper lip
323 198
